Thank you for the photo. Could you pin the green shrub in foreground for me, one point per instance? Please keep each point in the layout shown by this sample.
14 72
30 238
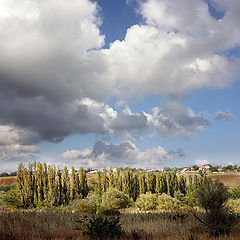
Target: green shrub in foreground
12 199
147 201
212 197
234 204
115 199
166 202
99 227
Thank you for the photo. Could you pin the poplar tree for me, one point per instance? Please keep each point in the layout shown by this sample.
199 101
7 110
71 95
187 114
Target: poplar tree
52 185
118 180
20 181
65 186
195 183
174 183
45 181
151 182
126 182
142 183
158 183
111 177
104 180
170 186
190 183
182 185
30 182
39 182
135 188
99 183
163 183
59 188
35 183
83 183
73 184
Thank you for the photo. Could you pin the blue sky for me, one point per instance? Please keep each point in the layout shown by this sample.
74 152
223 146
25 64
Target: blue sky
146 83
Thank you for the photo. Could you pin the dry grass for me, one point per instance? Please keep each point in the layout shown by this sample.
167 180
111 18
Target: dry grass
230 179
8 181
31 225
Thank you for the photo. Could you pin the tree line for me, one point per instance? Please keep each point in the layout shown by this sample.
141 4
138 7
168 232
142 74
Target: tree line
42 183
135 183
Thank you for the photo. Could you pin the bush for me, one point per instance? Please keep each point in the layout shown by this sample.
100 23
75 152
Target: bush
12 199
147 201
115 199
99 227
235 193
234 204
166 202
212 197
86 205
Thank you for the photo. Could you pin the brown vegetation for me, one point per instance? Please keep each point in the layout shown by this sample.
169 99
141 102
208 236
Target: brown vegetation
32 224
8 181
230 179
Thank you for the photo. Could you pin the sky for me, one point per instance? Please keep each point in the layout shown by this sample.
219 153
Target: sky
137 83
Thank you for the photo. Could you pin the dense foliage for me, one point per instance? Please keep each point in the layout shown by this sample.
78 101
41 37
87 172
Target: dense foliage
212 196
41 183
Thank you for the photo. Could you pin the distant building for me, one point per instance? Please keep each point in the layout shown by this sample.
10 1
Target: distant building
205 168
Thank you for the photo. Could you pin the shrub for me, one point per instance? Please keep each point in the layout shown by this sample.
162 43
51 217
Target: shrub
147 201
166 202
115 199
12 199
235 193
181 198
212 197
99 227
90 204
234 204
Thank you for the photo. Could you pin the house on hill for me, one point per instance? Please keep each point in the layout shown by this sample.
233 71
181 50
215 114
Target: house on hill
205 168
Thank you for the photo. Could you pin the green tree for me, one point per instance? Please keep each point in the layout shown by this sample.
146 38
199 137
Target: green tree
182 185
111 177
151 182
65 186
212 197
142 183
73 184
104 180
83 183
20 181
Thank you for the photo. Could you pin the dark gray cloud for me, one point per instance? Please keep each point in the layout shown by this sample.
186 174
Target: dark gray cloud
124 153
178 153
128 121
176 120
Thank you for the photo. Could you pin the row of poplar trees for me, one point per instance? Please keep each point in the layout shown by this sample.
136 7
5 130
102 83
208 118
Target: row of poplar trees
140 182
41 183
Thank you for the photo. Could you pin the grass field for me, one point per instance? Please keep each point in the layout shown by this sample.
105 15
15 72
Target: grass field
61 225
32 224
230 179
